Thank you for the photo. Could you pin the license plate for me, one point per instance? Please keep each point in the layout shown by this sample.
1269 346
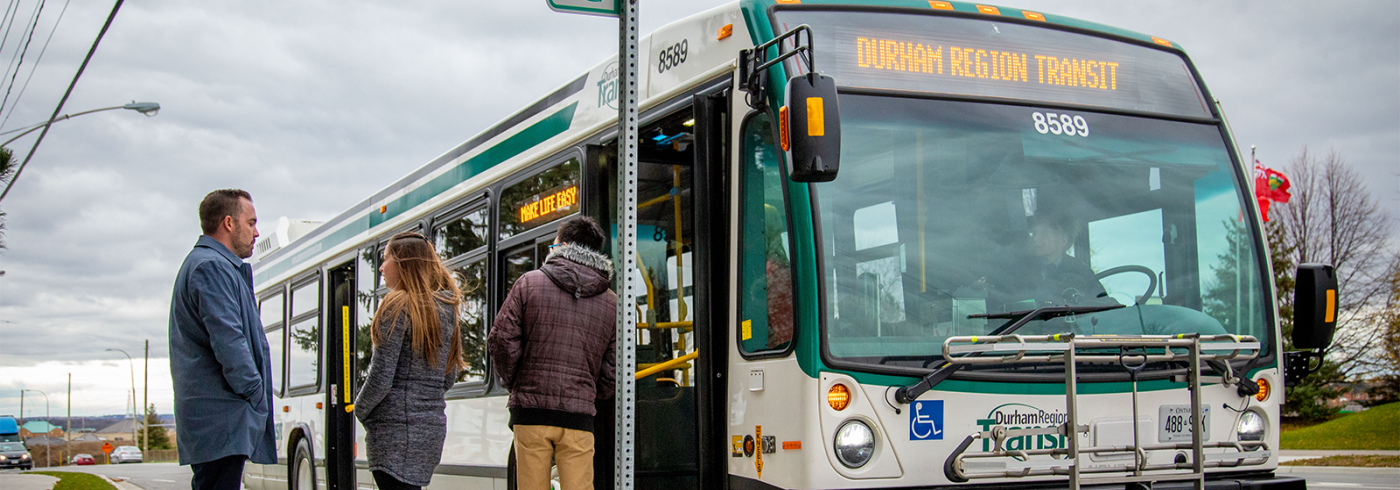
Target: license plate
1174 423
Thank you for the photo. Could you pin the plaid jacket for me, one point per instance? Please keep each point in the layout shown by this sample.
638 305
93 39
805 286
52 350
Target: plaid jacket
552 343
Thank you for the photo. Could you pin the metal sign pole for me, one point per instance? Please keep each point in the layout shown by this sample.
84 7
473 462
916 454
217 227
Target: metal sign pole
627 236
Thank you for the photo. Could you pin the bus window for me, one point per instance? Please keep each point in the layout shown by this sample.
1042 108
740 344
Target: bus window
366 301
947 210
540 199
271 309
472 319
1133 240
765 274
276 353
305 337
460 235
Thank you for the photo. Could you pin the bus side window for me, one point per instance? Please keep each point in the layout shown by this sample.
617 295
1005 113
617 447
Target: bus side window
765 274
304 346
272 311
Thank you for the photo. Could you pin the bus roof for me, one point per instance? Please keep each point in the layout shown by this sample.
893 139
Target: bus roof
968 8
8 425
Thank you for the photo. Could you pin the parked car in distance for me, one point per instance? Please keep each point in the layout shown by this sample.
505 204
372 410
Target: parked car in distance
14 455
83 459
126 454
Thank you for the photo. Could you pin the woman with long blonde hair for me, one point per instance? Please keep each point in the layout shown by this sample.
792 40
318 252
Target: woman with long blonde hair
417 354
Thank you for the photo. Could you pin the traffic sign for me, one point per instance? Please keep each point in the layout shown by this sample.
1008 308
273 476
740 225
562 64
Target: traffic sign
107 447
606 8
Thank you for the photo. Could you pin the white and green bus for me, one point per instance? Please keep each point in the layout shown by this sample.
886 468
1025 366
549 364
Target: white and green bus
1028 256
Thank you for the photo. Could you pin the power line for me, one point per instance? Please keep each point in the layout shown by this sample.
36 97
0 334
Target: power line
66 93
12 8
34 26
36 64
10 14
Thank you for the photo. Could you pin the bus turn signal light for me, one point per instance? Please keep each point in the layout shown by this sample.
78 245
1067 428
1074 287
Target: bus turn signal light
783 138
1264 389
839 397
725 31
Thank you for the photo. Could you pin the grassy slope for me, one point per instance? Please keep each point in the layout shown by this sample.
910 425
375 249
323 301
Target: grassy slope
1374 429
72 480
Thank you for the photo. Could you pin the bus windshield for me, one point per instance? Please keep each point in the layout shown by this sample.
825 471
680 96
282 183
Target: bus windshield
947 209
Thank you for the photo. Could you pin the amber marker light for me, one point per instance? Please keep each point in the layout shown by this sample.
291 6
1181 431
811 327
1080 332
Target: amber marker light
940 5
784 139
839 397
988 9
1161 41
1264 389
725 31
1033 15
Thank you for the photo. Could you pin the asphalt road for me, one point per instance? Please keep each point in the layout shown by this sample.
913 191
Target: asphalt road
171 476
149 476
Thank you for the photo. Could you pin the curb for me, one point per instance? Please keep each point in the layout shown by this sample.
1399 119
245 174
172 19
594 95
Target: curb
120 485
1337 469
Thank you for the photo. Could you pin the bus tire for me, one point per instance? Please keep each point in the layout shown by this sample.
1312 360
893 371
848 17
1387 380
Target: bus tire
301 473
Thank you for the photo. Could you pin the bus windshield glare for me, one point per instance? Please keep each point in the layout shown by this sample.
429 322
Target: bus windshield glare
948 209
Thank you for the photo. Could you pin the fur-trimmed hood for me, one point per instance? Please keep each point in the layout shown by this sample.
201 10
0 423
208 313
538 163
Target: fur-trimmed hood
578 270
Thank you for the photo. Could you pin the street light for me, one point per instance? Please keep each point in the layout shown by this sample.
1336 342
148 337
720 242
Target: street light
148 108
48 445
133 393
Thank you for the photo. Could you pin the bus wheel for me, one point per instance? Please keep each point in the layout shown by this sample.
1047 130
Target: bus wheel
302 474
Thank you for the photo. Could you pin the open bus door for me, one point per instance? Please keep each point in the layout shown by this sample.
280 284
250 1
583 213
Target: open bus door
339 352
682 252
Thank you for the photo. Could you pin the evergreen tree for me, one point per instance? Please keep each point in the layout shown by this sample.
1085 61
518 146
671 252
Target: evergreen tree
159 438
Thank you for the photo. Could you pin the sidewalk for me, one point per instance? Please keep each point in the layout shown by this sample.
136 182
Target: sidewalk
14 481
1294 454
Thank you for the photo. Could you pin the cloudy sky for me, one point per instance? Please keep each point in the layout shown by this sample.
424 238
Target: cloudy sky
313 105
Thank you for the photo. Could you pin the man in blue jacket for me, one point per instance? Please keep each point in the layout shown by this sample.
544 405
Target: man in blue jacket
218 353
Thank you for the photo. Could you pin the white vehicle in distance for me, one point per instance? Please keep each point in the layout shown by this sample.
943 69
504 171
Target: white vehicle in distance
126 454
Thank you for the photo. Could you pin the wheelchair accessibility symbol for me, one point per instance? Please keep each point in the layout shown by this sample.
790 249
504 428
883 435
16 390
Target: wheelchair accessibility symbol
926 420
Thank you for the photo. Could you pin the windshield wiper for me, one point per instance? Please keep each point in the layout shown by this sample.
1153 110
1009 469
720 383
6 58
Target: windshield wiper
906 394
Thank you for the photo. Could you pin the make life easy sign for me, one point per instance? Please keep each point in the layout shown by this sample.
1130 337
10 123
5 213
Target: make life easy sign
606 8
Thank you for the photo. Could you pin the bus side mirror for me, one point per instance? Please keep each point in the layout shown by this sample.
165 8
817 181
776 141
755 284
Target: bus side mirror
810 128
1315 306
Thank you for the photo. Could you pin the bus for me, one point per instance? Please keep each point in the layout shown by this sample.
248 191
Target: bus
1035 260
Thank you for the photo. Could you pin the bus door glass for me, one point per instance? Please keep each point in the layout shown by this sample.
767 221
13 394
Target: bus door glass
666 410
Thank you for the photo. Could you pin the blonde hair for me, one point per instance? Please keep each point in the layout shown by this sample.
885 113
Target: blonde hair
423 281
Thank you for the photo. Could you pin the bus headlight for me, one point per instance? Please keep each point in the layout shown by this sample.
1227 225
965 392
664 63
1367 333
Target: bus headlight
854 444
1251 427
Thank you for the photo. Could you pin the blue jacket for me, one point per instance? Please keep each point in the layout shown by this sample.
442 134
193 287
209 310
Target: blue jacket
219 360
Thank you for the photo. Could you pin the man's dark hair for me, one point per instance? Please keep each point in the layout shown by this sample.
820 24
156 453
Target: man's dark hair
582 231
220 203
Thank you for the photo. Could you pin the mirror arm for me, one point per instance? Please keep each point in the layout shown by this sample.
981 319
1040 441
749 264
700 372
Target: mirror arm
753 63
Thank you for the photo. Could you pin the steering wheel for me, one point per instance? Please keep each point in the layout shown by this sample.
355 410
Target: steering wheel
1151 278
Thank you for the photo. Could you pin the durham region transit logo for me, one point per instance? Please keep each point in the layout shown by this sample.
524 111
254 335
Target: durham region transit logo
1022 416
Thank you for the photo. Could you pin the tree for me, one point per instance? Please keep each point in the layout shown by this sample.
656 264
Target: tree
1385 388
1333 219
159 439
7 171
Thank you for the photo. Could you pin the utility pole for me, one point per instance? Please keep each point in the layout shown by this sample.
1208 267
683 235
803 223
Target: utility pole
68 428
145 398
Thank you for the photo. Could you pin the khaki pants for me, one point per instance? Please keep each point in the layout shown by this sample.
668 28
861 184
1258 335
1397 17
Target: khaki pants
571 450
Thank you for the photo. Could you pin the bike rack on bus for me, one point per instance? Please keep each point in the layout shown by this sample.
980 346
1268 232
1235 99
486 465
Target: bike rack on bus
1130 352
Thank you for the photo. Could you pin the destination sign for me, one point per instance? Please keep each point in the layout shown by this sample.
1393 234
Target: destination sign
551 204
990 58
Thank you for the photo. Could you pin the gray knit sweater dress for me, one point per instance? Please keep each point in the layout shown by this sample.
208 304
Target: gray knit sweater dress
402 404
